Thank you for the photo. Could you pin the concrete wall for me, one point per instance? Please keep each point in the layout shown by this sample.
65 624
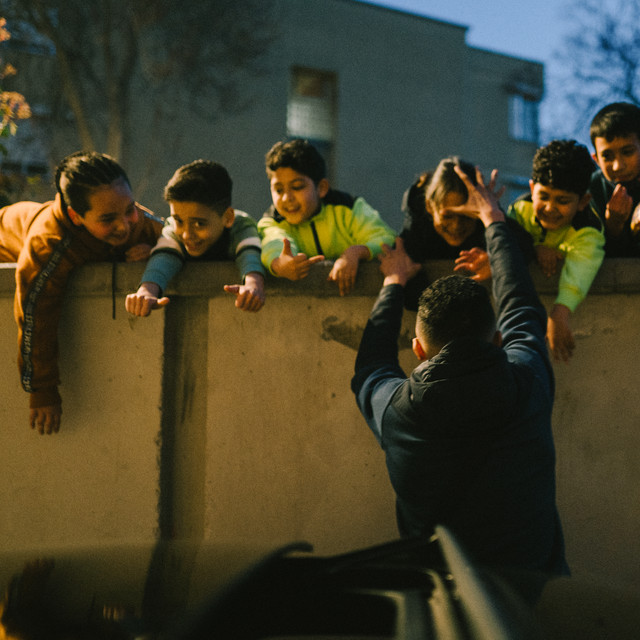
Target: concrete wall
204 421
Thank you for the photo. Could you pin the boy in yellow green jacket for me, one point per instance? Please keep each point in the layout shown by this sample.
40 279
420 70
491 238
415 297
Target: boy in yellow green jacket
310 222
567 235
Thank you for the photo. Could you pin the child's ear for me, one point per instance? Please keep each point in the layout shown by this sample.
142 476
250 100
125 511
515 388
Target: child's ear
323 188
76 218
531 184
595 158
228 217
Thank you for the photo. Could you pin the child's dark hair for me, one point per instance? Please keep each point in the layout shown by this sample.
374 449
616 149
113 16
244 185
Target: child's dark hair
299 155
563 164
445 180
618 119
81 173
455 307
202 181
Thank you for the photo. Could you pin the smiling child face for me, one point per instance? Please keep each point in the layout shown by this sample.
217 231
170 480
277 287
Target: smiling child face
295 196
198 226
111 215
555 208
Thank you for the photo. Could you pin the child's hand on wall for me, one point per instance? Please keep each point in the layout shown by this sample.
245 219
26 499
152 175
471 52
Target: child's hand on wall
145 300
46 419
548 258
286 265
559 334
345 268
250 296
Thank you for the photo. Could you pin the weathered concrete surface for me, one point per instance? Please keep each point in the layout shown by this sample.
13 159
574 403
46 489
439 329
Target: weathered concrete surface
97 478
204 421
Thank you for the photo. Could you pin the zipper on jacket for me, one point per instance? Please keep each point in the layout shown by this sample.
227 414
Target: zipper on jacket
316 239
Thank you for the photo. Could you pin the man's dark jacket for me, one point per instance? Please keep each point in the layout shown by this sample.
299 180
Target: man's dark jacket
467 436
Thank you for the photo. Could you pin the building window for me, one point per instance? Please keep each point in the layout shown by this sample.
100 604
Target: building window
523 118
311 111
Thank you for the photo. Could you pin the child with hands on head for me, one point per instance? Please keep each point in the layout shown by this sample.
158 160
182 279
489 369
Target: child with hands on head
431 229
310 222
437 225
93 218
202 226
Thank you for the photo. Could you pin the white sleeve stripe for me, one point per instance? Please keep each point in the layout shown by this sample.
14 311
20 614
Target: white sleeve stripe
165 243
248 242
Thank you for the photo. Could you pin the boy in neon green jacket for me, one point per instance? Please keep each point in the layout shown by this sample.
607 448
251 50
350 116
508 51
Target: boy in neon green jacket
566 233
309 222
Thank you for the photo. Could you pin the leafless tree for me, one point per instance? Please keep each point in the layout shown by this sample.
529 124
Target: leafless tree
112 60
598 62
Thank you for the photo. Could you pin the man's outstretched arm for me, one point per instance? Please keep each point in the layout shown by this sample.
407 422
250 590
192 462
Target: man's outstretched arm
522 319
377 371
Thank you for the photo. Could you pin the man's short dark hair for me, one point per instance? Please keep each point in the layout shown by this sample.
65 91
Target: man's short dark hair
615 120
202 181
455 307
299 155
563 164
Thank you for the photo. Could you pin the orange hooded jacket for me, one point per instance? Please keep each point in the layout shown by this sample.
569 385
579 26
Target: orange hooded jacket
47 246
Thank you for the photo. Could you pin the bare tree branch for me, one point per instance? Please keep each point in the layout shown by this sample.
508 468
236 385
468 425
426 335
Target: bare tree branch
599 63
115 58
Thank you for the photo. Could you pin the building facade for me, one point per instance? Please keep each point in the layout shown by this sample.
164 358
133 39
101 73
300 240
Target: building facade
385 94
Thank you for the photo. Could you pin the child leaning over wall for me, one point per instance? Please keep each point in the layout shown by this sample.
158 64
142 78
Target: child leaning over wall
93 218
202 226
310 222
567 234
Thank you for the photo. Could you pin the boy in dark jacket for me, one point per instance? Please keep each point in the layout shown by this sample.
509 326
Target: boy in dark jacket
615 185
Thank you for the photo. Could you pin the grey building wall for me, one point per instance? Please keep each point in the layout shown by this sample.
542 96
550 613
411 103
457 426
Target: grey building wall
409 92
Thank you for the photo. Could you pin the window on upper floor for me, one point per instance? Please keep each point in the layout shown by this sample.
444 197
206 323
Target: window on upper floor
311 110
523 117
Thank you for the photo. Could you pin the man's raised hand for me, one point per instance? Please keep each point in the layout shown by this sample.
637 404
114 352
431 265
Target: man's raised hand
396 265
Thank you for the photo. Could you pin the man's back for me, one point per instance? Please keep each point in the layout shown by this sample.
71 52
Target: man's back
481 451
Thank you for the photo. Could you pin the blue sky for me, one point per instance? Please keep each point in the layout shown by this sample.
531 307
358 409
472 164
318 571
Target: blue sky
517 27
